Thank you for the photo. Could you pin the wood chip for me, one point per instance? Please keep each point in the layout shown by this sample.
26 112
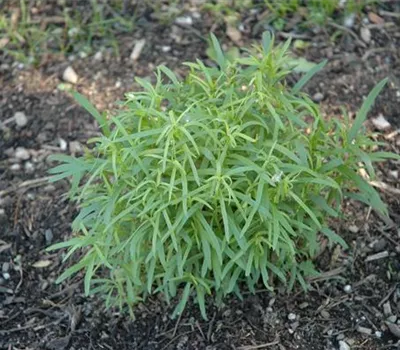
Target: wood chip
377 256
364 330
3 42
374 18
387 309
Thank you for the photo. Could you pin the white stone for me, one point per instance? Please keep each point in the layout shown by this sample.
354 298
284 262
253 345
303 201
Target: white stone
70 75
63 144
343 345
291 316
20 119
98 56
184 20
318 97
347 289
381 123
349 20
137 49
15 167
22 153
365 34
29 168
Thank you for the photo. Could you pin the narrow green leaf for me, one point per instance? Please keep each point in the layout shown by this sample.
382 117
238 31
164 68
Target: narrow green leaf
366 106
306 77
84 102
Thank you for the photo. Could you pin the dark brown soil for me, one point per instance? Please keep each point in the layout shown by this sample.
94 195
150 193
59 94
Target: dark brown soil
347 304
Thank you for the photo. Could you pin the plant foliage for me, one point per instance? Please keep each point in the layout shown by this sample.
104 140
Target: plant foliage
212 183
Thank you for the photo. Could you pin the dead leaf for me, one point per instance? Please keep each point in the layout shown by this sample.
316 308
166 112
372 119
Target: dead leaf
3 42
374 18
15 18
234 34
42 263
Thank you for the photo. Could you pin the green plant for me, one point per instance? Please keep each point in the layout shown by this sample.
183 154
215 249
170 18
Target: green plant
314 11
213 183
76 29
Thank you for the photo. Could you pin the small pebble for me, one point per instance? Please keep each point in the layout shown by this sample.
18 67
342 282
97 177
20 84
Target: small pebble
20 119
82 54
353 228
63 144
166 48
378 334
291 317
2 212
347 288
6 276
70 75
318 97
15 167
394 174
343 345
392 319
98 56
22 153
29 168
49 188
380 122
48 234
349 20
5 267
184 20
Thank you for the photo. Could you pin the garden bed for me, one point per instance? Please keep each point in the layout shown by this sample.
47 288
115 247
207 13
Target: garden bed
354 303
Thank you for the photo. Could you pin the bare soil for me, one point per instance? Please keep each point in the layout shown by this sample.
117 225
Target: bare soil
356 300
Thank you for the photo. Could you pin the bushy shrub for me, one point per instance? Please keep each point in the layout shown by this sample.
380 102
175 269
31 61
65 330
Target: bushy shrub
212 184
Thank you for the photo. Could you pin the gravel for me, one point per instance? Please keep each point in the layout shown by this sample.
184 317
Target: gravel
20 119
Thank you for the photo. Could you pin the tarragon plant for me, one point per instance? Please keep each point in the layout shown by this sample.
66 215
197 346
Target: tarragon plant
212 184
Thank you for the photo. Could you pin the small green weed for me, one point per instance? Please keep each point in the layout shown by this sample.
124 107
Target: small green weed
213 184
73 30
